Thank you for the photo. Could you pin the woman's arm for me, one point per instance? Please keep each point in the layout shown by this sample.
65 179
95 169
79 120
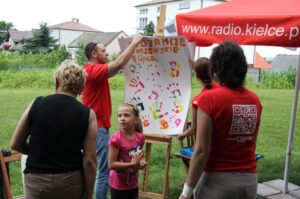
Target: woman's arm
201 151
21 133
89 156
192 129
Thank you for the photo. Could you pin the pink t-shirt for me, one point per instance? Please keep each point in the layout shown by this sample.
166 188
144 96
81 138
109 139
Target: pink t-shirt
125 179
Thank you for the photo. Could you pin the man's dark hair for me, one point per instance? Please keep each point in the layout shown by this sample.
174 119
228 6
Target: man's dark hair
89 49
201 68
229 64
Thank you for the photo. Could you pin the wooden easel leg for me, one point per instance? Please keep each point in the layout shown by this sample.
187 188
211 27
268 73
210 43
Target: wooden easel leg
166 177
5 177
146 170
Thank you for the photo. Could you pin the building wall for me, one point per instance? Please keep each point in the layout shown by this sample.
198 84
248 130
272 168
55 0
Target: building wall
172 8
65 37
114 47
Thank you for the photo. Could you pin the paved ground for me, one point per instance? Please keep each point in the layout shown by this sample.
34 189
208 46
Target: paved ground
273 190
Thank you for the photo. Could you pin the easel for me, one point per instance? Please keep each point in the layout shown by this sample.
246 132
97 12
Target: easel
157 139
161 22
149 140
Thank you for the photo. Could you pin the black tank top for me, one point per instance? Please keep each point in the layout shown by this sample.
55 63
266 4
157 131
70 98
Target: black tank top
57 127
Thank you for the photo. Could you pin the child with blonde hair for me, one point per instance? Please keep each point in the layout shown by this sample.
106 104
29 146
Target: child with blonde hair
125 154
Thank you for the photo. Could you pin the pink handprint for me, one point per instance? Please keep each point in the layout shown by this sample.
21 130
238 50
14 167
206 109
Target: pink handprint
175 120
155 94
174 89
135 82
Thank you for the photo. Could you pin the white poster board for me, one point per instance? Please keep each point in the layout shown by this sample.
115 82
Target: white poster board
158 82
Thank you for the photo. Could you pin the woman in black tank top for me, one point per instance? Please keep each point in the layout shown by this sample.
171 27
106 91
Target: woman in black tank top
58 134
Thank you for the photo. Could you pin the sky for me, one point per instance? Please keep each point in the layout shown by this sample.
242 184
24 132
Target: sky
103 15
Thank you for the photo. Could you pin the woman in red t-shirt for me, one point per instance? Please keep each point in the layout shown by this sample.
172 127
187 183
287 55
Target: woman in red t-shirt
228 120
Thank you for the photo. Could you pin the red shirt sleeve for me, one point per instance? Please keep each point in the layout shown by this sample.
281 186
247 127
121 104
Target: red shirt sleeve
205 102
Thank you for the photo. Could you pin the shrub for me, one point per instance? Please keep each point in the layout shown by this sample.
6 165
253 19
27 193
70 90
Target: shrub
43 79
279 80
26 79
15 61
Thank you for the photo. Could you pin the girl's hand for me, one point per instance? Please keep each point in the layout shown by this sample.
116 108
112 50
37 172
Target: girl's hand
181 136
137 157
143 163
182 197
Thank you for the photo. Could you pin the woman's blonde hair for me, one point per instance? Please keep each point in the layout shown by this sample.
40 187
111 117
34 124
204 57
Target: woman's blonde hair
70 76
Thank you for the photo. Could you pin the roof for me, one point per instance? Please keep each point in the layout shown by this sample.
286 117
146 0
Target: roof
101 37
282 61
260 62
162 1
73 25
155 2
17 36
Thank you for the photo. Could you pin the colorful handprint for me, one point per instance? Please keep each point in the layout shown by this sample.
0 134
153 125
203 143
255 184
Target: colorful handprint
175 120
174 89
155 108
146 121
178 107
138 102
154 95
135 82
164 124
174 69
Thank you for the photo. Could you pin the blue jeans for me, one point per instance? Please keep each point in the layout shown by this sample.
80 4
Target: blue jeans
102 178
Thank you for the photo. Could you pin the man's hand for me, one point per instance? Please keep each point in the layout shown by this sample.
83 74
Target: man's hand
137 39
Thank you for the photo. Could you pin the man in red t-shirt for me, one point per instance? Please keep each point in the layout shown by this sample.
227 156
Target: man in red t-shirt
96 95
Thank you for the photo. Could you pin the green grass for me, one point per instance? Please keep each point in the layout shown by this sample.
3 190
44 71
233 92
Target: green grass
272 140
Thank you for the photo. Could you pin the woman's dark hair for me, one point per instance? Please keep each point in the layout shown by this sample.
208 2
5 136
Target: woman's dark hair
201 68
89 48
228 63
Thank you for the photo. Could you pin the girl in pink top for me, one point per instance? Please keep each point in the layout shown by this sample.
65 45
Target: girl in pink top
125 154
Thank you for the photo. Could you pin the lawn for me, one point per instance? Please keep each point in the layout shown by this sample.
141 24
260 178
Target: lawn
272 140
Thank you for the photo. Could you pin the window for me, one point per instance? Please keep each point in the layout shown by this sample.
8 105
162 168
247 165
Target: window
143 11
184 5
143 22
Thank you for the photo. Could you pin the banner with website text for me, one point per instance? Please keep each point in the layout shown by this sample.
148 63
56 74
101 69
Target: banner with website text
158 82
252 22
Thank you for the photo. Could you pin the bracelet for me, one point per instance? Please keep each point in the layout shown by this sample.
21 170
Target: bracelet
187 191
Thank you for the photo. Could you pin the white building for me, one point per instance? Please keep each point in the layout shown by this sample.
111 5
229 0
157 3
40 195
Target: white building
66 32
150 10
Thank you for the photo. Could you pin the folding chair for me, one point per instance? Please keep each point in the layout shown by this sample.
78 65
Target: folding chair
4 160
188 141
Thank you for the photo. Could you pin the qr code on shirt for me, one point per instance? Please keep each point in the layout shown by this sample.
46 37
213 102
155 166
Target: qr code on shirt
244 119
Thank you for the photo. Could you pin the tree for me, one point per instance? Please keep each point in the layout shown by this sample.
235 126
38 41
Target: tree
80 57
149 29
41 41
4 28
